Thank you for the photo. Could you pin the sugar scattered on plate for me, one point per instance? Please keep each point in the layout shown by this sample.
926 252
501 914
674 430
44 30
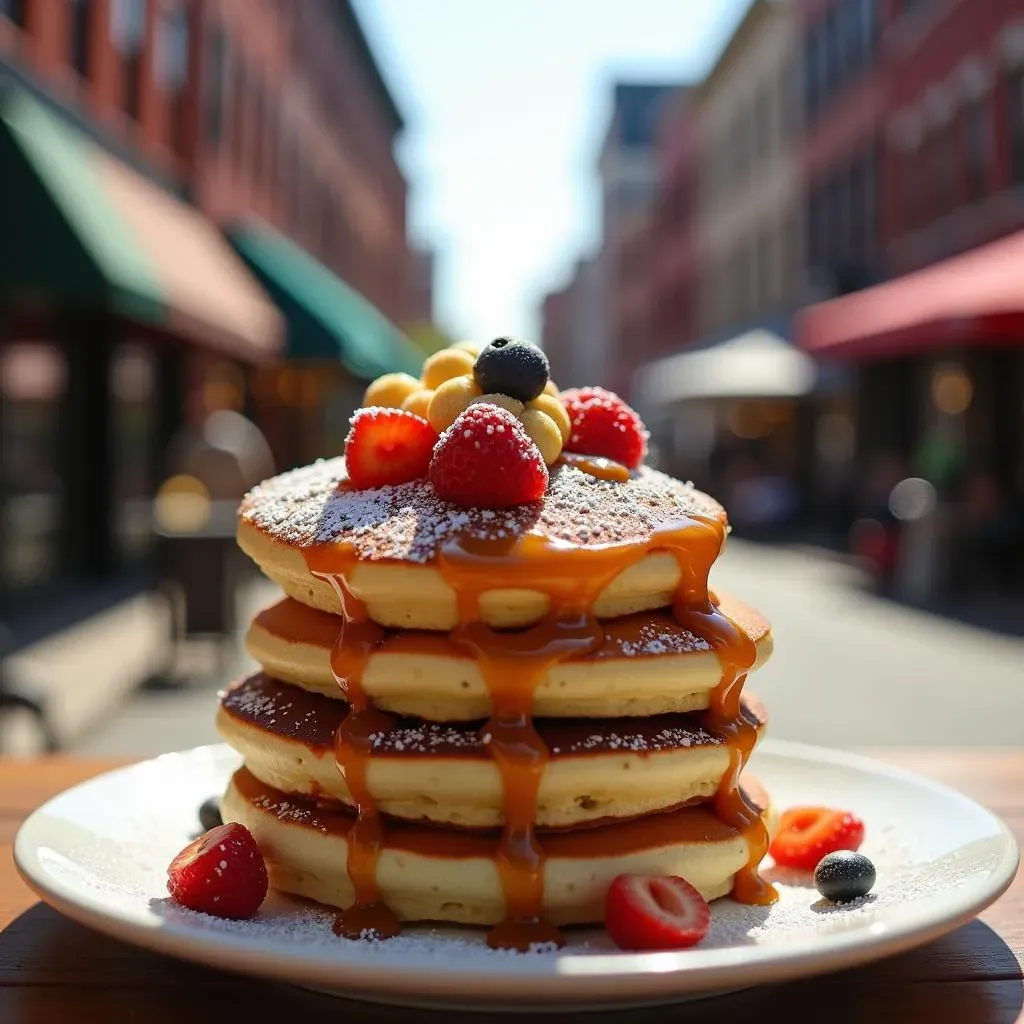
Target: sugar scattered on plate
800 912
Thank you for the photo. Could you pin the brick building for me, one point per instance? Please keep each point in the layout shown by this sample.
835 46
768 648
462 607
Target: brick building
191 191
953 153
724 261
748 222
939 368
298 128
843 101
674 277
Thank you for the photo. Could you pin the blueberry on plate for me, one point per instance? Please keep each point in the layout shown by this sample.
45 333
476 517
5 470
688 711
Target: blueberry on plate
508 366
844 875
209 813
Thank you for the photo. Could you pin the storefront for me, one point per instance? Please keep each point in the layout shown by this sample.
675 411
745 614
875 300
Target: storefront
939 358
115 299
337 342
735 418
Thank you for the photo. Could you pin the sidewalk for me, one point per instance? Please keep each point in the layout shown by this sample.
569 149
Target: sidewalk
151 721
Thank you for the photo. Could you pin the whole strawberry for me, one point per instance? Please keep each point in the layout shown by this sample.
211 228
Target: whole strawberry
602 424
222 873
486 459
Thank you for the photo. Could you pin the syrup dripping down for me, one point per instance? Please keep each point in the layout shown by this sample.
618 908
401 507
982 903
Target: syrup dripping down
513 664
353 746
695 609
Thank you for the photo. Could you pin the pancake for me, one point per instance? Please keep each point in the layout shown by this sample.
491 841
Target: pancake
445 774
427 874
396 547
648 665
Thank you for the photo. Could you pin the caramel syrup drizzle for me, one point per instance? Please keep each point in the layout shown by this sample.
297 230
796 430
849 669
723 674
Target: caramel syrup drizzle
353 744
513 664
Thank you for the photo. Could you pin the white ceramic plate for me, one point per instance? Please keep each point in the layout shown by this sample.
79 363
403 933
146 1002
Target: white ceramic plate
99 853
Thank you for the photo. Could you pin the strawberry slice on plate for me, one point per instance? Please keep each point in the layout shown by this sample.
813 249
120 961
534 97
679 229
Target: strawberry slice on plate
806 834
645 913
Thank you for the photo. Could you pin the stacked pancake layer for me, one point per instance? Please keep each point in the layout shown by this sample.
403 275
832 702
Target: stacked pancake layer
484 716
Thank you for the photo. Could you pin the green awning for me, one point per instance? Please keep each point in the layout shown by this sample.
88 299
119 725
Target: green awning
82 228
327 319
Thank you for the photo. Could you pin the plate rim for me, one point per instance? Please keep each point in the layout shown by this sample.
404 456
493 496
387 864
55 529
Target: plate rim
568 978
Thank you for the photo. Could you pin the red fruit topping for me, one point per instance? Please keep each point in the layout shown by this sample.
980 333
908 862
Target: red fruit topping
486 459
602 424
222 873
806 834
388 446
652 912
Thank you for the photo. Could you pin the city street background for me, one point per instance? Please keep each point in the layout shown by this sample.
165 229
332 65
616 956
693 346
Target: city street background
788 233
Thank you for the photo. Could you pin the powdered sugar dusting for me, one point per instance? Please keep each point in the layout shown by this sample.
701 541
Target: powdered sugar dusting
311 719
654 637
799 915
669 738
410 522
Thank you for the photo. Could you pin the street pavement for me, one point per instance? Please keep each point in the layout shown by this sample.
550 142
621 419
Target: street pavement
849 669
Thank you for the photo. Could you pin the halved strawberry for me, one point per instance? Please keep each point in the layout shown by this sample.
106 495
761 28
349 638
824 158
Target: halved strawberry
655 912
806 834
388 446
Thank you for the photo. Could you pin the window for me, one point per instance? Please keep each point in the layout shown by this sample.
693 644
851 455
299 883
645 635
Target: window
867 28
812 80
81 35
172 65
911 188
256 157
33 379
13 11
852 41
295 183
216 85
128 32
858 197
132 379
1016 106
943 165
767 271
832 51
239 96
273 146
327 233
764 127
978 140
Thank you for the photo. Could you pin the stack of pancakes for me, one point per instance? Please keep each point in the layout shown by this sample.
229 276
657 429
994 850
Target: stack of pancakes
483 716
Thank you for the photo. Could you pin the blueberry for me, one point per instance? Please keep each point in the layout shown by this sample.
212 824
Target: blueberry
209 813
511 367
844 876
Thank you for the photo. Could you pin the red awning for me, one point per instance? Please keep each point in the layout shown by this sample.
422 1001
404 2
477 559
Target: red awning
974 298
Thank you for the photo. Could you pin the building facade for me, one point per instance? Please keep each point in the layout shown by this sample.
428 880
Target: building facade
843 105
939 388
953 153
673 280
628 176
570 318
298 128
748 224
125 315
596 327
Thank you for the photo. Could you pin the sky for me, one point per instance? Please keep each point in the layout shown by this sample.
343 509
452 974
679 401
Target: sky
506 105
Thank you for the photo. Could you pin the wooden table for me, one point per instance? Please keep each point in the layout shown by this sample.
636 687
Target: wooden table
52 970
